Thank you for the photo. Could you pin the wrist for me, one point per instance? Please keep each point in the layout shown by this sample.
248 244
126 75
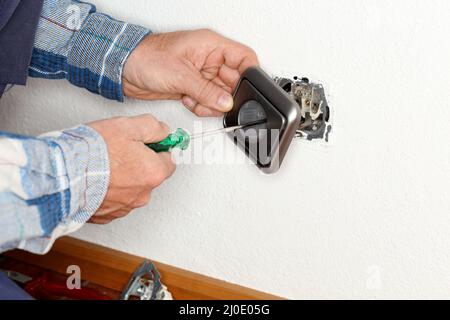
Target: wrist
135 62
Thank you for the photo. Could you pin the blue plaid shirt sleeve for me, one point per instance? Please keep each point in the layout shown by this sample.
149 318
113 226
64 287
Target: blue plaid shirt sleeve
87 48
52 184
49 185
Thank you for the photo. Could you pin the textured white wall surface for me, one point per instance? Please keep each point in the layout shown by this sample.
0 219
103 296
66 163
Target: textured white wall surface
367 216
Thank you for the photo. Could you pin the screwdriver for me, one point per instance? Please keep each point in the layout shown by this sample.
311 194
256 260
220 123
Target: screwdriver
181 138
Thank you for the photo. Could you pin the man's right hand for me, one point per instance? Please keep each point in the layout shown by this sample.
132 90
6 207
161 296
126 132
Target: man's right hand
135 169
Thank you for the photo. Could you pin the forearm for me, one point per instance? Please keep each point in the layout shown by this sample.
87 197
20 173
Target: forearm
49 185
85 47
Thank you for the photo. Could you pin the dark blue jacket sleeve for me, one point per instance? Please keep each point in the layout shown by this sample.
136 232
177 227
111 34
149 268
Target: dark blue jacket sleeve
18 24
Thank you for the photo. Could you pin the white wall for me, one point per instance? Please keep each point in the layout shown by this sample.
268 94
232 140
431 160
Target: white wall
366 217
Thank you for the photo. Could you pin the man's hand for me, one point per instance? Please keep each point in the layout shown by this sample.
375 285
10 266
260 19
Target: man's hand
135 170
199 67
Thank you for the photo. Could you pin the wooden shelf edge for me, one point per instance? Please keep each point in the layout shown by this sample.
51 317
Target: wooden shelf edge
112 269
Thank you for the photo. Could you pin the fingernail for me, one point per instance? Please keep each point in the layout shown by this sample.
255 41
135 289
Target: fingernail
225 102
189 102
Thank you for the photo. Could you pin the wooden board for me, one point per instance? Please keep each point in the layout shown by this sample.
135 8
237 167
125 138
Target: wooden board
112 269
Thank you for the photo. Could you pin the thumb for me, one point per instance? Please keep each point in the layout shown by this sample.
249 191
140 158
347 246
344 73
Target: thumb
207 93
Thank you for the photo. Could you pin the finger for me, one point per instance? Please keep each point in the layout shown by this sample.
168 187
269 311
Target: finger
206 92
106 218
189 102
200 110
159 167
246 63
147 128
203 111
221 84
142 200
230 77
240 57
119 214
166 158
98 220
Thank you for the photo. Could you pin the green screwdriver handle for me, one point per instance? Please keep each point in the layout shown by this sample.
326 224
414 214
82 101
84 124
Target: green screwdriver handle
179 139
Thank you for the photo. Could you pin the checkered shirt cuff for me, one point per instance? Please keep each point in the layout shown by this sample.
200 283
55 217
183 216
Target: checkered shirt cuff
102 46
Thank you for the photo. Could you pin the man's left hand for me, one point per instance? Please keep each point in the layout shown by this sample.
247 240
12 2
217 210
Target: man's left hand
199 67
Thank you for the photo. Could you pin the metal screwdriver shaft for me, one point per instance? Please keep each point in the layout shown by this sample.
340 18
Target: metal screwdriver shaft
181 138
225 130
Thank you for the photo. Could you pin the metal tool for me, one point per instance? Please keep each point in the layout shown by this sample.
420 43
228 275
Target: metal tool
227 129
145 284
181 138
